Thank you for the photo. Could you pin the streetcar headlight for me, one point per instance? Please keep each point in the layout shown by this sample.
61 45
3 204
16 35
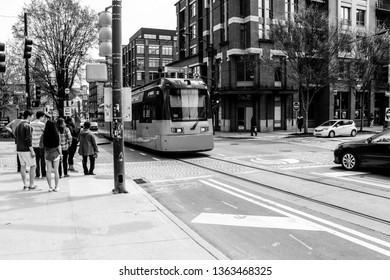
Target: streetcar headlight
177 129
204 129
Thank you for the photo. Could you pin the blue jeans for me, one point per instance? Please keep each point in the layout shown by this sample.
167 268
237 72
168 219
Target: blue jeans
40 161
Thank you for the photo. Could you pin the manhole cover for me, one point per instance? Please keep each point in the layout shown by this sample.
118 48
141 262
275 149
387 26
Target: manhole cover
139 181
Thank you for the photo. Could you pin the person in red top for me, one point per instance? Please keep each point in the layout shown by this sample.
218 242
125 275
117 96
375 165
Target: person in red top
24 149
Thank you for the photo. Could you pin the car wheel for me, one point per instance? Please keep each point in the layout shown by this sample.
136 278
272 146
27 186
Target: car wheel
349 161
353 133
331 134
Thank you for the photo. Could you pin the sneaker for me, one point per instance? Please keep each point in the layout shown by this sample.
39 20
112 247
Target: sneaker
67 175
25 188
56 189
35 188
91 173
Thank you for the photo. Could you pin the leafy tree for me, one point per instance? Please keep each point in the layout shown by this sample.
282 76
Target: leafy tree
369 51
62 32
13 80
310 42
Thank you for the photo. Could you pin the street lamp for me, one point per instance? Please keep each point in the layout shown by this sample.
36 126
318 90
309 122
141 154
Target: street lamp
335 93
358 88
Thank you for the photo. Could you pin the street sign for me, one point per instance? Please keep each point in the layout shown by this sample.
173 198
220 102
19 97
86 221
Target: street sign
173 69
296 106
19 92
67 111
387 114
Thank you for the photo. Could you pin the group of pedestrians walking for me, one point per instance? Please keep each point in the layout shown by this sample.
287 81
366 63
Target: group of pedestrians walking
48 146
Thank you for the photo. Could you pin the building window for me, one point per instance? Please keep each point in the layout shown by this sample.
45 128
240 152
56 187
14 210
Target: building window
140 49
193 9
140 64
245 71
193 31
154 62
290 7
153 76
341 105
150 36
193 50
344 69
140 76
164 37
346 15
360 14
154 49
167 50
265 16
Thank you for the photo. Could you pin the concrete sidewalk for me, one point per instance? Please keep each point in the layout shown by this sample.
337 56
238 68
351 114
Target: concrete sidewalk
84 220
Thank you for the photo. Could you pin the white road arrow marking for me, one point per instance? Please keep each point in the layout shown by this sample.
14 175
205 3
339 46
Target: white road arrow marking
256 221
327 226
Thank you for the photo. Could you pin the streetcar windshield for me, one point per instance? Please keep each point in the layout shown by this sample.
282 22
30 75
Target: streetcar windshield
188 104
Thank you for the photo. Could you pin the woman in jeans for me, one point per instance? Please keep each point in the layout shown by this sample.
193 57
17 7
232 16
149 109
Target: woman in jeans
66 141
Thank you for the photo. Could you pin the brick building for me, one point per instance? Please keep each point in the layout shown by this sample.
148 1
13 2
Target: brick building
147 50
224 42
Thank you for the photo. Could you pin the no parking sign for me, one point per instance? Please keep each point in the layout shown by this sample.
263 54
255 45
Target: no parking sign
296 106
387 115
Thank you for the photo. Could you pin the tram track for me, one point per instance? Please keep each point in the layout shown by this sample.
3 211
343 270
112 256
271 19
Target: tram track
293 194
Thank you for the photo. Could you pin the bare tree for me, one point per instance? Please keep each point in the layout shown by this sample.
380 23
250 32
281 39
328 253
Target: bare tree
62 32
310 42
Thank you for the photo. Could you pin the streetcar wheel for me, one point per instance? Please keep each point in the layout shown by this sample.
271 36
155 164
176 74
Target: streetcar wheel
349 161
353 133
331 134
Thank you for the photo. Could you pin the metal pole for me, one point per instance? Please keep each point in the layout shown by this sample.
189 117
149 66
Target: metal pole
117 125
27 67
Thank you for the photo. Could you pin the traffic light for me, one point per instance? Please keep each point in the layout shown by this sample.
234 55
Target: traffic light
105 34
38 92
2 57
27 48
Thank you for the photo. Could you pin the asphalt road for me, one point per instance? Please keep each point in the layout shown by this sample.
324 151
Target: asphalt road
263 213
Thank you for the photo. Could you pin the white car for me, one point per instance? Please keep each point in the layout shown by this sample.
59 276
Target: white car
334 128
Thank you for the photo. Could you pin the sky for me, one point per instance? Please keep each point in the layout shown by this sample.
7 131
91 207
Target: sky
136 14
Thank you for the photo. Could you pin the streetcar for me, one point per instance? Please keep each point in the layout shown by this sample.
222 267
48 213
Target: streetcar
171 115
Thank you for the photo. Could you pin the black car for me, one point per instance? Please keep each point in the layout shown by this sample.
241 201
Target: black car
374 151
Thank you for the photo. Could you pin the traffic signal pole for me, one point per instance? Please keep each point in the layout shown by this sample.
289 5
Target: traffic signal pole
117 124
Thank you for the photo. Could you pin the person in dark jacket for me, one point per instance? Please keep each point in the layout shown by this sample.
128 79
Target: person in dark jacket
88 148
253 126
74 131
25 150
300 122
